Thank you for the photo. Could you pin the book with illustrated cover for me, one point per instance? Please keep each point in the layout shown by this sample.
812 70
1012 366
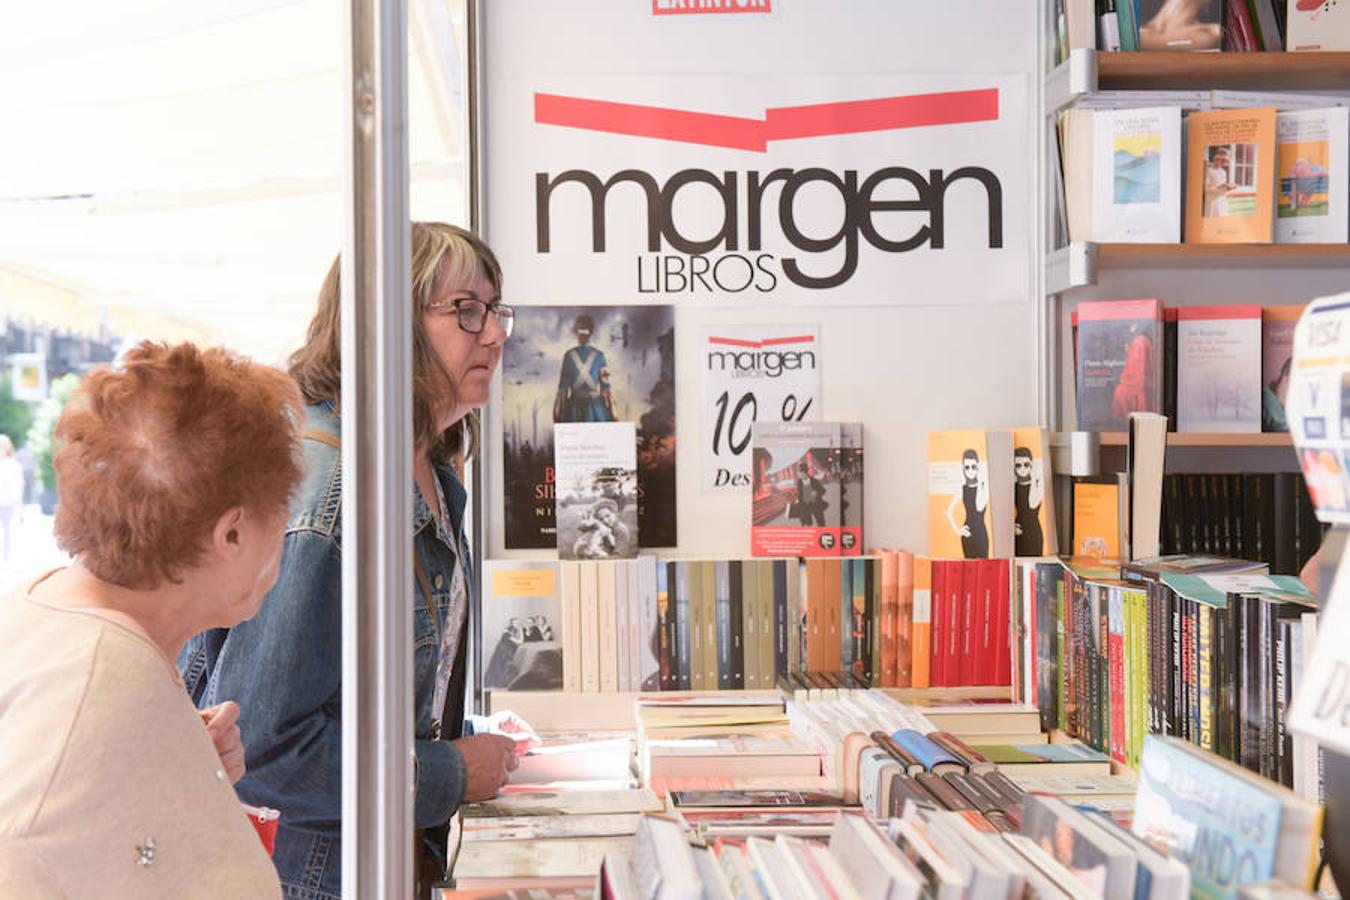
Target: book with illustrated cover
1311 165
1317 25
1230 176
596 473
587 364
1098 529
1169 25
1119 363
806 489
522 622
1219 369
1034 526
1277 358
970 494
1136 194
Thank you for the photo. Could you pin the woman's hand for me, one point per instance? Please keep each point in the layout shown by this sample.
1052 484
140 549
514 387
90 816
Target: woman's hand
220 721
489 760
508 724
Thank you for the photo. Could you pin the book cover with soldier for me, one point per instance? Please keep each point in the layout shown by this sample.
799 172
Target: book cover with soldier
587 364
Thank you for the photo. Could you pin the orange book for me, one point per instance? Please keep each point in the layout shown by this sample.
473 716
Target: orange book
890 614
1096 518
815 614
832 656
904 654
1230 177
922 633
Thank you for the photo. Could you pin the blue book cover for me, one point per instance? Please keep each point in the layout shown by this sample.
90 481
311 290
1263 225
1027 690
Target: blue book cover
722 579
924 749
1216 822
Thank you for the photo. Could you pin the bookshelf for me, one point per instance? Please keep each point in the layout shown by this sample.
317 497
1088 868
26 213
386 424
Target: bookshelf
1177 439
1079 264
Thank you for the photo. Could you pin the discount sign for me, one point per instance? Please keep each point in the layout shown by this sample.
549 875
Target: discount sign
764 373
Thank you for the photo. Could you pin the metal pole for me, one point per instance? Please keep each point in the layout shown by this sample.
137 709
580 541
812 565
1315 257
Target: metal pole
377 692
473 81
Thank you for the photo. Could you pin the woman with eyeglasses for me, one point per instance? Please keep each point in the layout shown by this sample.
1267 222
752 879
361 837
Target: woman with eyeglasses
284 667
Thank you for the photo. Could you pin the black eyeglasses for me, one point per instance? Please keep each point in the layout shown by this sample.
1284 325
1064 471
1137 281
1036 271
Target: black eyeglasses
473 313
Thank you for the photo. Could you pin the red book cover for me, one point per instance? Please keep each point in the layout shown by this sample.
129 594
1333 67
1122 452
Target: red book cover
904 641
1004 597
984 624
1116 664
958 575
938 636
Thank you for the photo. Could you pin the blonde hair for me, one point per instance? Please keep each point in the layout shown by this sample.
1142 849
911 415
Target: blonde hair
441 254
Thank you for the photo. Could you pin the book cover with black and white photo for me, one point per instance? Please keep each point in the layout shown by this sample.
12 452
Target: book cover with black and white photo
522 626
595 469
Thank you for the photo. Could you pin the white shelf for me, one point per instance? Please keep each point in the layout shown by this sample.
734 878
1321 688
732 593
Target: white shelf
1077 265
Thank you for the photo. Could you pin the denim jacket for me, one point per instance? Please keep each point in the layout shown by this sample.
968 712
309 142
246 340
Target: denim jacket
284 669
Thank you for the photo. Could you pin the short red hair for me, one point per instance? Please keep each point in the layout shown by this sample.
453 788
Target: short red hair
151 454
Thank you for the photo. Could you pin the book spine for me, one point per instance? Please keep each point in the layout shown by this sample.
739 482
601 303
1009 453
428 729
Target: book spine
871 669
782 622
684 630
1003 630
890 609
847 623
958 574
1116 661
815 615
767 612
1191 624
746 610
736 624
590 627
1154 679
1266 686
1063 598
1141 679
970 649
1249 739
927 751
921 634
903 648
708 617
665 620
831 659
1101 671
983 668
570 577
620 622
938 636
1283 740
609 626
1205 675
1284 536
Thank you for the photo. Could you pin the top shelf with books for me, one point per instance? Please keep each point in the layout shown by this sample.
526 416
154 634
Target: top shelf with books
1086 71
1077 264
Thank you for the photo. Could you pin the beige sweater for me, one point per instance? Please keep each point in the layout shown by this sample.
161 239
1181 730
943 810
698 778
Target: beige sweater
110 786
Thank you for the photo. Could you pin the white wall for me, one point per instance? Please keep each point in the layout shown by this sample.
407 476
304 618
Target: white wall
901 369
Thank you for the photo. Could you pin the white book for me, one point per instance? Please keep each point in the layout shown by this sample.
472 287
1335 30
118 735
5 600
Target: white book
595 469
621 630
571 625
1280 100
635 632
1136 190
1323 27
1075 140
589 643
875 866
649 667
608 623
1310 176
522 624
1219 369
1186 100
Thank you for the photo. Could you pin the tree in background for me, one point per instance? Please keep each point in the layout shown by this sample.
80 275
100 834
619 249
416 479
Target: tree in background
40 435
16 416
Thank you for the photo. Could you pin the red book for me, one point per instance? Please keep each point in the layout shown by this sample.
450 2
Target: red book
972 646
982 627
957 573
938 636
890 614
1003 598
1116 663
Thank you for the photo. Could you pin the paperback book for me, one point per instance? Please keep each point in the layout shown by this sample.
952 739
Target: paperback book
806 489
1277 357
1312 161
587 364
1219 369
970 494
1168 25
1136 194
595 466
1230 173
522 626
1119 365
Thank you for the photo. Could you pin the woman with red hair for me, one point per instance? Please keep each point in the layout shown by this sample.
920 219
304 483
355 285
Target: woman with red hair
175 471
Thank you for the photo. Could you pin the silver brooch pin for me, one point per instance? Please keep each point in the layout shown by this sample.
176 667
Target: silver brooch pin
145 853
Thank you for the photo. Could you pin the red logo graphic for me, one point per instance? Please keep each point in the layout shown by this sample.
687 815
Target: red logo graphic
700 7
767 342
779 124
